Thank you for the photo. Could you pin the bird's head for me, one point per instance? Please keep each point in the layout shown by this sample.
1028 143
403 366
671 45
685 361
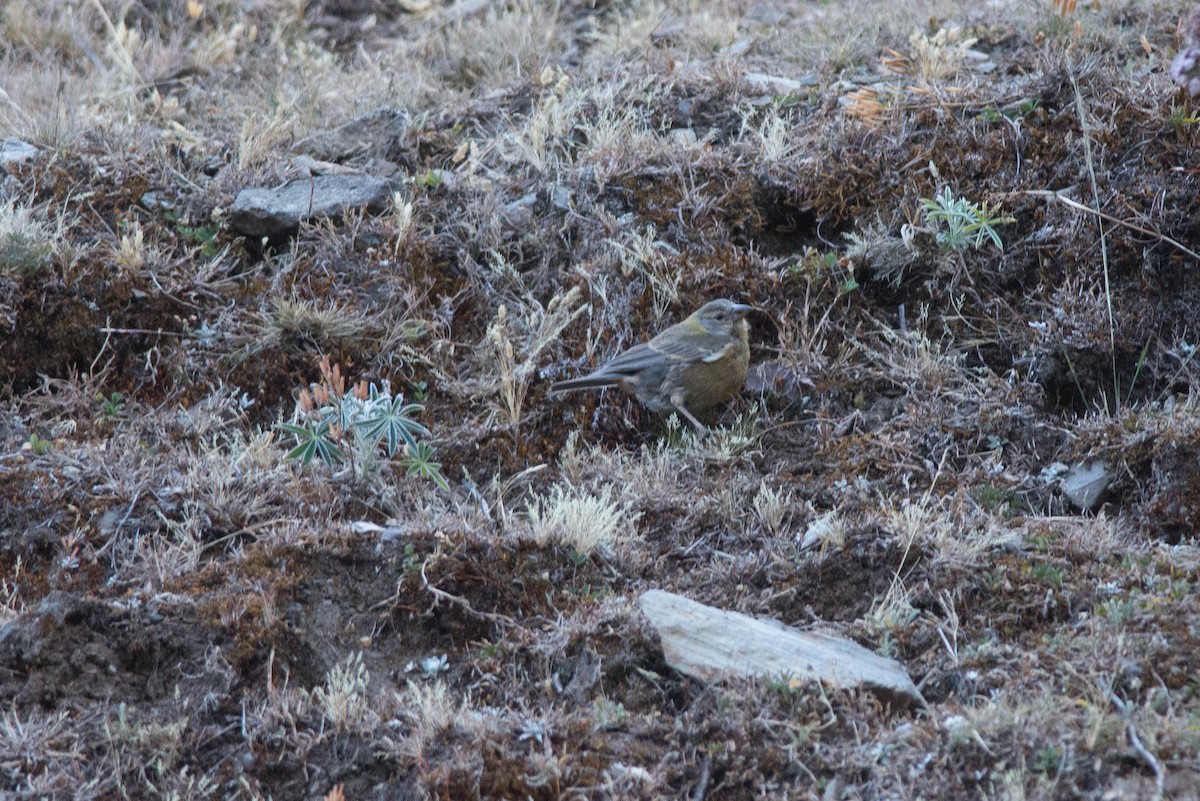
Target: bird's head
721 316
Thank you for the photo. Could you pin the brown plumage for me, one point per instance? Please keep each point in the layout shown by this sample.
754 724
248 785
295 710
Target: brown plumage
692 366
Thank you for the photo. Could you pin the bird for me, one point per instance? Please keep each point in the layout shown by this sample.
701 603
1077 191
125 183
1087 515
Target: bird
692 366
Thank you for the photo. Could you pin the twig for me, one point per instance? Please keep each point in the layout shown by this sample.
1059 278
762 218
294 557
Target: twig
250 529
466 606
1075 204
442 595
1136 742
702 785
159 332
99 353
1085 129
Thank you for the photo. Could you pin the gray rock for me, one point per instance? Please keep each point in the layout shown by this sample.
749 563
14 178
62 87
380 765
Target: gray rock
684 137
155 200
710 644
1085 483
14 151
777 84
518 215
560 197
378 134
278 211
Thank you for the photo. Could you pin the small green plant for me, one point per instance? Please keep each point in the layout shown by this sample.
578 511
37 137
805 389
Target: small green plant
39 446
430 180
112 406
786 685
1182 116
1043 542
587 592
1048 761
1016 112
998 500
418 461
337 425
411 564
609 713
383 418
1048 574
491 650
1118 610
203 237
812 265
958 223
314 439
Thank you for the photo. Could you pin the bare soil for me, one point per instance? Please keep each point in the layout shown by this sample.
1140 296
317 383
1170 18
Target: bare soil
186 612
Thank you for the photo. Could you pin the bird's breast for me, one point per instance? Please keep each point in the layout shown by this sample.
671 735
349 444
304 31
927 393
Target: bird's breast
710 383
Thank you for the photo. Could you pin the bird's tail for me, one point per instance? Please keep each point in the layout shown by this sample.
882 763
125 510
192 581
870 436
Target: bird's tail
586 382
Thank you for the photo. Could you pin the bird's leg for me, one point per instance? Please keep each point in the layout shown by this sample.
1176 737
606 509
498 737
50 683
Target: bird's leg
679 407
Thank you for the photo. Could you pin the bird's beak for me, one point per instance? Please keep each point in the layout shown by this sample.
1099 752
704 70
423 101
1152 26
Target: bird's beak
741 309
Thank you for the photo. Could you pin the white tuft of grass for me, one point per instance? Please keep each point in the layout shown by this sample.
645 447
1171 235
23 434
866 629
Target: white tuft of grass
263 137
432 710
542 139
952 533
344 700
26 241
431 714
828 531
942 55
774 138
579 519
711 28
132 253
404 223
772 507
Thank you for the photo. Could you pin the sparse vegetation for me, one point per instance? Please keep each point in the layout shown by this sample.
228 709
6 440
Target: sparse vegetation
291 515
958 223
337 425
25 242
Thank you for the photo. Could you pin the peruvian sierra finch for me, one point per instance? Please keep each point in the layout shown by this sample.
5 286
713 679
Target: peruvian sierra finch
692 366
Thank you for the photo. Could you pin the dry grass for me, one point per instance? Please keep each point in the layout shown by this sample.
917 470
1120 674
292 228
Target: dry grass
580 520
573 177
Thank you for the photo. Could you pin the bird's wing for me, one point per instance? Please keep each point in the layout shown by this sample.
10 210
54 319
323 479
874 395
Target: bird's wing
688 345
718 355
631 362
676 344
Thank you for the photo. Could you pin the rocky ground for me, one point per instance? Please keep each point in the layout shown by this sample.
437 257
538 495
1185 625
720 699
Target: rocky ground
286 510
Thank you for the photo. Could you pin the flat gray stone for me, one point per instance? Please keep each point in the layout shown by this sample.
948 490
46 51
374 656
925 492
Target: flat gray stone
710 644
279 211
777 84
14 151
379 133
1085 483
